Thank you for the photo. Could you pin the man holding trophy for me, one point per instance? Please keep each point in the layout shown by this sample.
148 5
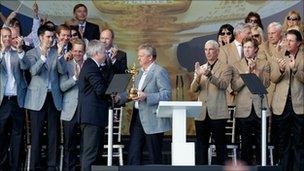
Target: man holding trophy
153 85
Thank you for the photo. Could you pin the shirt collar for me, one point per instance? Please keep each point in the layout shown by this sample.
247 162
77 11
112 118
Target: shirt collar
237 43
47 50
148 69
212 65
9 49
98 65
77 63
82 24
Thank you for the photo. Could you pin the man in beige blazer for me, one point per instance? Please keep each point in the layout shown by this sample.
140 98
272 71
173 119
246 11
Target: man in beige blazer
248 106
211 81
233 52
272 47
287 73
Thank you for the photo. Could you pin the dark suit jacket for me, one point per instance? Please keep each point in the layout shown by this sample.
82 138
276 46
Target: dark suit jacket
92 101
120 65
91 31
26 48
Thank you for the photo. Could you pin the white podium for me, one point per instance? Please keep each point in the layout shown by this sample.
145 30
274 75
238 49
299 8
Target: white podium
183 153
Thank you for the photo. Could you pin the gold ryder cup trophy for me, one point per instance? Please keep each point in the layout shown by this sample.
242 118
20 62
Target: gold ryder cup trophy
133 91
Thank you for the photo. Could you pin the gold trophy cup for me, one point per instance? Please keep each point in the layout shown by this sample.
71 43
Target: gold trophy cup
133 91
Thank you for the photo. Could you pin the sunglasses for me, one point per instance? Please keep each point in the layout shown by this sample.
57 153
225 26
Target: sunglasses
253 21
292 18
256 35
225 33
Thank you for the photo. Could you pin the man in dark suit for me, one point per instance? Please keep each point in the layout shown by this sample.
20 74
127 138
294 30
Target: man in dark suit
88 30
43 98
116 59
12 94
92 103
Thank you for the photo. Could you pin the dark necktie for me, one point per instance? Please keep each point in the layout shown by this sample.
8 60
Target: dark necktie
82 28
109 54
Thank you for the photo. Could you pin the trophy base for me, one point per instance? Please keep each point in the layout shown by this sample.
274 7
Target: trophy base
133 93
131 96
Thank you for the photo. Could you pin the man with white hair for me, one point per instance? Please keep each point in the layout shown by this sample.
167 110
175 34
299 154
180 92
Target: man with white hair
92 103
211 81
233 52
272 47
146 129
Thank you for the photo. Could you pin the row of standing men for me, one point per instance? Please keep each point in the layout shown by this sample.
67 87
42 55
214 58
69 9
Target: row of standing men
280 69
63 81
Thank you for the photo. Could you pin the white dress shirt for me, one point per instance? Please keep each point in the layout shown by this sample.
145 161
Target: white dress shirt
11 85
239 48
44 59
141 81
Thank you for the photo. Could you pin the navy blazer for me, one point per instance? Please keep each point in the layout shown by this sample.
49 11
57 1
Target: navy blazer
120 65
92 102
91 31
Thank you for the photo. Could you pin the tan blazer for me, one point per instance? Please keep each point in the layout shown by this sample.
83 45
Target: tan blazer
229 55
282 82
212 91
244 99
268 51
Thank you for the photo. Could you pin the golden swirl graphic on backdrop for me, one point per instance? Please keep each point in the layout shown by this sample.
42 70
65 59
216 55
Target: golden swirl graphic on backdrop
147 21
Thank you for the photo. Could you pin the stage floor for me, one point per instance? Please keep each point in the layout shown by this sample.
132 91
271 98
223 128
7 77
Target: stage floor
179 168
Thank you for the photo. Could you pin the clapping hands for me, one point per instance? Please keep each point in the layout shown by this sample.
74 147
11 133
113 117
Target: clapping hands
199 70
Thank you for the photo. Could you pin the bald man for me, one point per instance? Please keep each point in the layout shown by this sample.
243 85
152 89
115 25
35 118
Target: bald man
116 59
